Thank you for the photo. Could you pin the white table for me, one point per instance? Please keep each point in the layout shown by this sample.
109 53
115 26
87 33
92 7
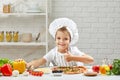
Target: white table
63 77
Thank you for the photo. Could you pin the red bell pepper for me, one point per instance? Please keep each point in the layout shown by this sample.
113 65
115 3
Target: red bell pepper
0 68
6 70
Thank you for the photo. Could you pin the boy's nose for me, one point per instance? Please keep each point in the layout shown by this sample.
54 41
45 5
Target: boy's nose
61 40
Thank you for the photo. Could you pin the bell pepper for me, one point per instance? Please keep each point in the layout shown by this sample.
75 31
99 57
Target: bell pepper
6 70
0 69
19 65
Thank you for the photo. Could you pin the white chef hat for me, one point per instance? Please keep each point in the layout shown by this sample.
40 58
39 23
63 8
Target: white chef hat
70 25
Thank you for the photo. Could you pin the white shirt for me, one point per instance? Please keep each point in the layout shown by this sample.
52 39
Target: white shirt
57 58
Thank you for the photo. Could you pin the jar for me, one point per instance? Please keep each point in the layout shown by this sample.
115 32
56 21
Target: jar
1 36
26 37
6 8
15 36
8 36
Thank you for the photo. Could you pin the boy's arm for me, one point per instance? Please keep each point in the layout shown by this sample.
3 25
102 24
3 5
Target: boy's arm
84 58
37 63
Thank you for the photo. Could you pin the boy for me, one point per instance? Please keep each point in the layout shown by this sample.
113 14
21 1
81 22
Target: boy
65 33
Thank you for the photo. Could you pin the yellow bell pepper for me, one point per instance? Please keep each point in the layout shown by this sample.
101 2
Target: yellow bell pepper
19 65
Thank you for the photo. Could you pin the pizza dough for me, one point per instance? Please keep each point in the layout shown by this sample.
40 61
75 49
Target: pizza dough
45 70
90 73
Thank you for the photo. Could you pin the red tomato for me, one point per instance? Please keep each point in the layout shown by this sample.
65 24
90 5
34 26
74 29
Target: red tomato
0 69
40 73
96 68
110 66
36 73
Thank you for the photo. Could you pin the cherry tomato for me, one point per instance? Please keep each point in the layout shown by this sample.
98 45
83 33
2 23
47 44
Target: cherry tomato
40 73
110 66
36 73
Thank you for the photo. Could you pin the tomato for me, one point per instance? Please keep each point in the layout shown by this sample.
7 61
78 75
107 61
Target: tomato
96 68
0 69
110 66
40 73
36 73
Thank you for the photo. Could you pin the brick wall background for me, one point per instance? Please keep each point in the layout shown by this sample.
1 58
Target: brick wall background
98 23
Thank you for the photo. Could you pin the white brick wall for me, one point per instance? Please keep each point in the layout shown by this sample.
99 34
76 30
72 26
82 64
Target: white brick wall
98 23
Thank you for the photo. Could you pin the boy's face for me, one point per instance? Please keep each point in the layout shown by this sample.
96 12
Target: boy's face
62 40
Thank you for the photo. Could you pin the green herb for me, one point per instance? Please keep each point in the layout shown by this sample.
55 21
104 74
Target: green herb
116 67
4 61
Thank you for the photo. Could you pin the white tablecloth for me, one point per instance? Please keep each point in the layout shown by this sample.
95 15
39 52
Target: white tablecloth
63 77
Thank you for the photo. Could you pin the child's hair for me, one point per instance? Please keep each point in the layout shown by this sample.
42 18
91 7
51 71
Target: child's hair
64 29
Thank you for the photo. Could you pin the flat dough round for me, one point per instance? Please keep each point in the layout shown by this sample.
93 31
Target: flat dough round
90 73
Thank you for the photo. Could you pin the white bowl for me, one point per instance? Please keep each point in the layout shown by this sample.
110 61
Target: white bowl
57 74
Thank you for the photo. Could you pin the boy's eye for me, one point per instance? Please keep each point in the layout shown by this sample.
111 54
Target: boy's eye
66 39
58 38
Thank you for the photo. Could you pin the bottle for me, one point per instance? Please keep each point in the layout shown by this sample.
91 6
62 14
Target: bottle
8 36
104 67
1 36
15 36
6 7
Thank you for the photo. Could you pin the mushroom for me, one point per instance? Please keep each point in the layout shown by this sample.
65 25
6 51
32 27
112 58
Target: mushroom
15 73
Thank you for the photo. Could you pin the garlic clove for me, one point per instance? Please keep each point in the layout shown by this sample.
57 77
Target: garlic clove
25 73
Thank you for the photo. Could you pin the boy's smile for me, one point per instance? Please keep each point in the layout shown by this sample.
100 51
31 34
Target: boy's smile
62 41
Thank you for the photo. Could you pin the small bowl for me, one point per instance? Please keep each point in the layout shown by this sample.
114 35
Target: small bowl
57 72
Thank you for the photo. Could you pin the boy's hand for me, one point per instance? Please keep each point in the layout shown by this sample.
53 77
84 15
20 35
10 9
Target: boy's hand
68 56
29 65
